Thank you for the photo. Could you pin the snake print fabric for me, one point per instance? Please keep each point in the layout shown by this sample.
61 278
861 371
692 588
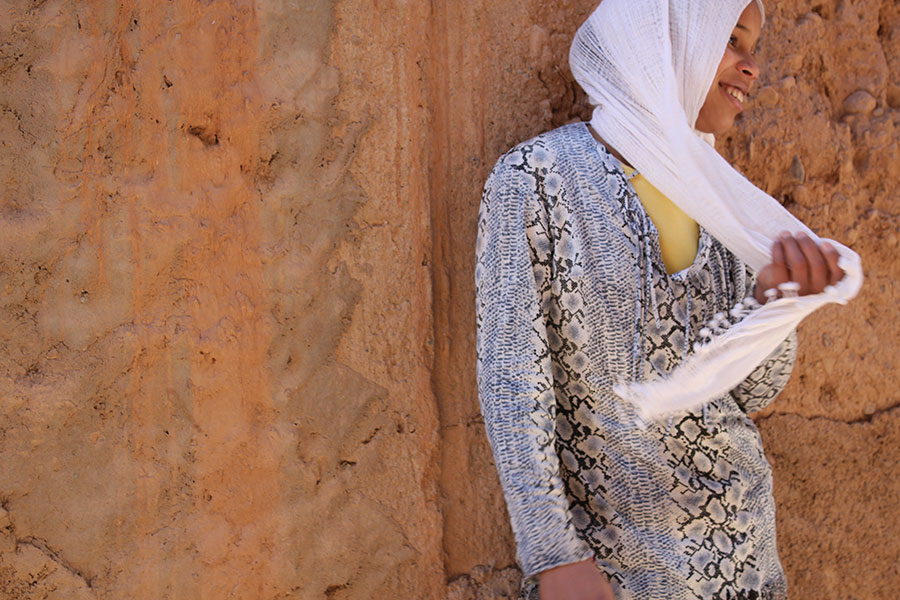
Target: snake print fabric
573 296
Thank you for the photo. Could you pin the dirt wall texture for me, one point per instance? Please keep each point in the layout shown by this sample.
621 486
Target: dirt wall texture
236 329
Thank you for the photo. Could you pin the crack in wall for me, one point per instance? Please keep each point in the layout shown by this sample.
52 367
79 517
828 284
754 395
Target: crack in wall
867 419
56 557
439 96
484 572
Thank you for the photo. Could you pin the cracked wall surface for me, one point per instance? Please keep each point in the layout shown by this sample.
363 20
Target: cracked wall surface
236 325
216 371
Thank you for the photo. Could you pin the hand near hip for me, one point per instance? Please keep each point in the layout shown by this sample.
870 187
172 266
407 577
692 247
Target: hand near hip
575 581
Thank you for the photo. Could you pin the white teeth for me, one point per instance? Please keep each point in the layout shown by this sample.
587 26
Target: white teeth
735 92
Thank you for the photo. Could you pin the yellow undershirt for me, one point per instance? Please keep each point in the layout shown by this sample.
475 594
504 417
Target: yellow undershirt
679 235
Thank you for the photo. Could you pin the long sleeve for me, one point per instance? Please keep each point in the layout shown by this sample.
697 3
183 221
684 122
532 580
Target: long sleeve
761 387
515 382
572 297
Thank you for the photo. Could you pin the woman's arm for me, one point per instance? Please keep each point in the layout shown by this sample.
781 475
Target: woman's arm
812 267
761 387
515 383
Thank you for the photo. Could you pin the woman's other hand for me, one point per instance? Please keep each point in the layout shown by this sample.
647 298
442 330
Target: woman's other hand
799 259
575 581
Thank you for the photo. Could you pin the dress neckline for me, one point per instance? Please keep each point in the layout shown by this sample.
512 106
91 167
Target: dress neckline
612 165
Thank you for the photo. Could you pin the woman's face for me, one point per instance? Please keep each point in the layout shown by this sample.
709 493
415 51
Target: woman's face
735 76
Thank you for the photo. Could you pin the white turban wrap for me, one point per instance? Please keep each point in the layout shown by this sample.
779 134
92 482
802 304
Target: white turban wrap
647 66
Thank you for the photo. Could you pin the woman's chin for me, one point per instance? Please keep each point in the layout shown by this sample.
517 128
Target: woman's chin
715 126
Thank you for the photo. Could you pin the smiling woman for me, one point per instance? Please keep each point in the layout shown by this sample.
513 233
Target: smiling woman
735 76
613 259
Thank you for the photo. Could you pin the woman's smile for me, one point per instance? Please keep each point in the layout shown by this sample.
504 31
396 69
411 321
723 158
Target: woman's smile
735 75
735 94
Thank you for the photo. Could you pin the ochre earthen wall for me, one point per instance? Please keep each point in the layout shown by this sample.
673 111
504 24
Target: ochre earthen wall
236 329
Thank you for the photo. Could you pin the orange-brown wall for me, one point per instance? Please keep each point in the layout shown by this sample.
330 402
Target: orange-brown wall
236 330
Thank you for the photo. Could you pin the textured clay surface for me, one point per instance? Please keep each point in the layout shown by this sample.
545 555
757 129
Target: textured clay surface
236 329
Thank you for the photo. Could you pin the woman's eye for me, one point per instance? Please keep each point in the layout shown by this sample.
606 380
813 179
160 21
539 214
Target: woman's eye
733 40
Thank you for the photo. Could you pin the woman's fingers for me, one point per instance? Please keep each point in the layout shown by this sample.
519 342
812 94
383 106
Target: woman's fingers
835 273
771 275
796 262
800 259
779 272
816 267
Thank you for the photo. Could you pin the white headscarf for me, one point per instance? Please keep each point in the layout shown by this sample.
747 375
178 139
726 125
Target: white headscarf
647 66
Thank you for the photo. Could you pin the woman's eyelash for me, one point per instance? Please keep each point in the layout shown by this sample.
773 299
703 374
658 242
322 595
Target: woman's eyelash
733 41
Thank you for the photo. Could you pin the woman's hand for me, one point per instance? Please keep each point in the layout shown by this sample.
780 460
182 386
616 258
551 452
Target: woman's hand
575 581
799 259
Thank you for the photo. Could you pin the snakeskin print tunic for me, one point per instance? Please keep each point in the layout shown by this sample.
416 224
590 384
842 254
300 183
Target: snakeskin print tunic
573 296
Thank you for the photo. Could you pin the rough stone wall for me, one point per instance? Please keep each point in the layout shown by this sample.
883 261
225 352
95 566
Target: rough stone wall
216 323
236 330
825 139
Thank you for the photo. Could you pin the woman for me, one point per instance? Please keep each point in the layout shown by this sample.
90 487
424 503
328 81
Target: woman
589 276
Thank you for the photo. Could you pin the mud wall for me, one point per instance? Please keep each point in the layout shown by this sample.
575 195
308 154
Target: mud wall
236 246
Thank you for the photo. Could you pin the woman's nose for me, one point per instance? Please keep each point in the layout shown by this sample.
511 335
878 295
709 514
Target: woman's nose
749 67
